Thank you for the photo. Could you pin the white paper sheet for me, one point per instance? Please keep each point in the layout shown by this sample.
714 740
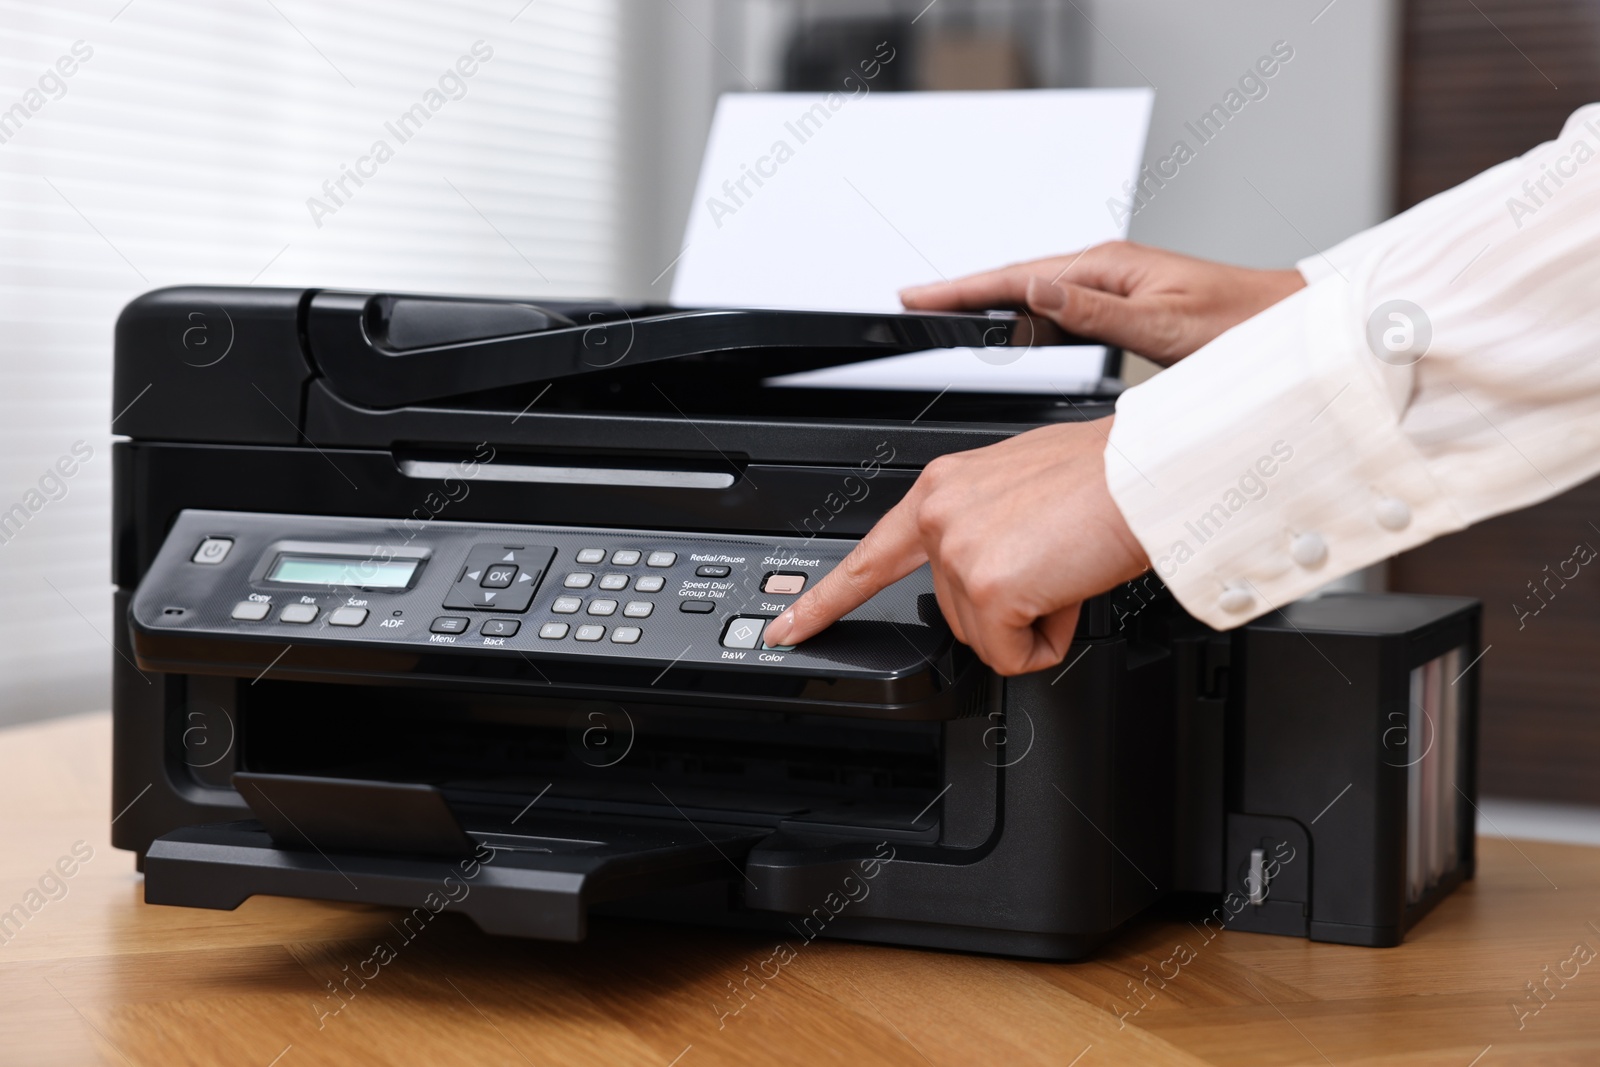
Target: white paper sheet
836 203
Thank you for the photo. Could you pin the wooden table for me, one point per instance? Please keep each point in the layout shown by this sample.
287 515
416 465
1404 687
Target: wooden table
97 976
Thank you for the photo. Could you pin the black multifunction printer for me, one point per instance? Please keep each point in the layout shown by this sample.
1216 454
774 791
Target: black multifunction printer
417 591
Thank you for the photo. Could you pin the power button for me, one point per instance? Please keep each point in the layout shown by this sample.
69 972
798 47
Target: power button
212 550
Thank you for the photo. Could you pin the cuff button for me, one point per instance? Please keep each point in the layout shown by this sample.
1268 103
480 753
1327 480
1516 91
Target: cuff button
1235 599
1393 514
1308 549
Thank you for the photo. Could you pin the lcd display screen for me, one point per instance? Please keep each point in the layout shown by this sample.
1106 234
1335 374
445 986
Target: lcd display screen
332 571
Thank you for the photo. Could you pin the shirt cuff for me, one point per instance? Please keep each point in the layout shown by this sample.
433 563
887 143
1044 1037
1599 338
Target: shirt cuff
1272 461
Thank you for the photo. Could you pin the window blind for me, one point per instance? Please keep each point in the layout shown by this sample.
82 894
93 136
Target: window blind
410 145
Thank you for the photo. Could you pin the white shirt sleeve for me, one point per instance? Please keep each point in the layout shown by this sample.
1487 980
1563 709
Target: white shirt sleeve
1439 369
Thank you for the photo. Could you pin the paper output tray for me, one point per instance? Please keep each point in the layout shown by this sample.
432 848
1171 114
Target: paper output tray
535 878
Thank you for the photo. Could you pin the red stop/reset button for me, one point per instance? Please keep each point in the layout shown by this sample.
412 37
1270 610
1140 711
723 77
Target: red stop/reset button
784 584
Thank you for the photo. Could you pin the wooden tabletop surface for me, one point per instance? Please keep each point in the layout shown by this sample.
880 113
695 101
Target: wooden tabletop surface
96 976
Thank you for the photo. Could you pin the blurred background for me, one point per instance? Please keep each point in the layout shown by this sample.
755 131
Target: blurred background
203 142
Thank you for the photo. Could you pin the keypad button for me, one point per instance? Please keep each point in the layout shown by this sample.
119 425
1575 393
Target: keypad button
498 577
626 635
602 607
742 632
450 624
554 631
212 550
713 570
590 633
697 607
499 627
661 559
578 580
298 613
347 616
591 555
613 582
567 605
625 557
638 609
650 583
783 584
251 610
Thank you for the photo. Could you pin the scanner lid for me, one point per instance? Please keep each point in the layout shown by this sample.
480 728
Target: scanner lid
386 350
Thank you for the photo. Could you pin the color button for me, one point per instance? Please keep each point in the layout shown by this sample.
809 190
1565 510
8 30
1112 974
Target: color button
251 610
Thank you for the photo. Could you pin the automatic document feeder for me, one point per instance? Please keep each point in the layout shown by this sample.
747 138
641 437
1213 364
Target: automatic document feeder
415 586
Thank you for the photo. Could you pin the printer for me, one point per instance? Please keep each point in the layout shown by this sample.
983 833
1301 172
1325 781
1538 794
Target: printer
436 602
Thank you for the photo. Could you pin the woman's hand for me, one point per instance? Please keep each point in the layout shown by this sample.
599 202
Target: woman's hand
1157 304
1018 535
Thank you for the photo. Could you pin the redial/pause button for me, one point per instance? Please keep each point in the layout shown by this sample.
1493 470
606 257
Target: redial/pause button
742 632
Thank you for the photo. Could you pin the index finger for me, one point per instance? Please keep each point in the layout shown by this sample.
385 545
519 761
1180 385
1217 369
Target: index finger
1111 266
1006 287
891 550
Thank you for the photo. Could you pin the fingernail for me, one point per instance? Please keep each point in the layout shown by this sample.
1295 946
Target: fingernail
1046 296
779 628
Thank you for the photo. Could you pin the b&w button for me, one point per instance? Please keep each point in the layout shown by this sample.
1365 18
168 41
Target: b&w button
743 632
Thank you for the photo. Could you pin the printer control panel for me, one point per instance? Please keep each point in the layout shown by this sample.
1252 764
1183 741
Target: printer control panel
539 593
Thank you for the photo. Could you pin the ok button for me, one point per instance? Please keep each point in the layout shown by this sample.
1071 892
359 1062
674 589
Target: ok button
742 632
498 577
